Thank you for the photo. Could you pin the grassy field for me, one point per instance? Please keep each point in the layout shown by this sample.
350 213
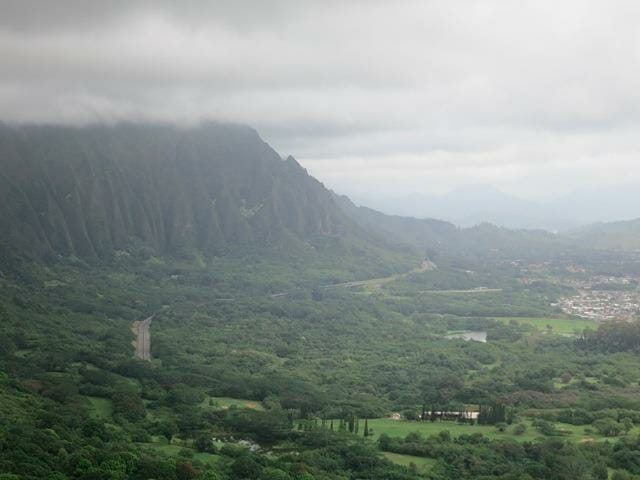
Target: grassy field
558 325
226 402
176 450
400 428
559 385
423 464
207 458
101 408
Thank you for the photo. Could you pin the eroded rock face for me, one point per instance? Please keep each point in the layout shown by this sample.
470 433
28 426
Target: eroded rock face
93 190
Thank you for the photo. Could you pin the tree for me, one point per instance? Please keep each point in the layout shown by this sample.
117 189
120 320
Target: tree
608 427
366 427
519 429
185 471
271 473
246 467
211 475
351 423
492 414
627 424
127 402
411 415
544 427
384 441
168 429
204 443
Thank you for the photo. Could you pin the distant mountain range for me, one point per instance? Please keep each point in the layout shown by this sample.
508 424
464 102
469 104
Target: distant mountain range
477 204
446 243
613 235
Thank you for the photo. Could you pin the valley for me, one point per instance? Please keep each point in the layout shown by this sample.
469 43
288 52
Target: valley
294 341
320 240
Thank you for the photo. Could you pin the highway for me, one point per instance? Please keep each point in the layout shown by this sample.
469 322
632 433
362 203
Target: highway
143 340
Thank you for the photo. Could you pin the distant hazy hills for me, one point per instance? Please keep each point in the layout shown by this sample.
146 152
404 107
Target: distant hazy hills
474 205
456 246
614 235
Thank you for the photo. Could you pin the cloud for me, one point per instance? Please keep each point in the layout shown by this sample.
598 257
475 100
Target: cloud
531 96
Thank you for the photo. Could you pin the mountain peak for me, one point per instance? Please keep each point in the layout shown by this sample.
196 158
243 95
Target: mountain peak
91 190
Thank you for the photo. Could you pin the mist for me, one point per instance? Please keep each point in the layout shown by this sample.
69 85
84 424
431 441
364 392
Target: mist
419 98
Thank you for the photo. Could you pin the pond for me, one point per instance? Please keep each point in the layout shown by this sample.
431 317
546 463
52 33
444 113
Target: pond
475 335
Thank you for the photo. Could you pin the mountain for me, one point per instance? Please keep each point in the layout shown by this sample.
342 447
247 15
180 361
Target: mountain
92 191
99 191
444 242
473 205
610 236
598 205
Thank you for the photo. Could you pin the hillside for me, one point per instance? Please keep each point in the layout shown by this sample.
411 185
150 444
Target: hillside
212 189
260 337
215 189
472 205
610 236
463 247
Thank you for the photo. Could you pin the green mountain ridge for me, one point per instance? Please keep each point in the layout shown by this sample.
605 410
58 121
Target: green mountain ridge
94 190
215 189
624 235
247 265
463 247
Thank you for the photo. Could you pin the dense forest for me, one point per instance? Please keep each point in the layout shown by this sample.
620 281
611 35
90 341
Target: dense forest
294 336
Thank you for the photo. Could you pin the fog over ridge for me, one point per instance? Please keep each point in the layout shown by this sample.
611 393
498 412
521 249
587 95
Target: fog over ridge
397 98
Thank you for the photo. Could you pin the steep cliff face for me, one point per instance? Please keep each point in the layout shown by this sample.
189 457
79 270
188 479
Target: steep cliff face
90 191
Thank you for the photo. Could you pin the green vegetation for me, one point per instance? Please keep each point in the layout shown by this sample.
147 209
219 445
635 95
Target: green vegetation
562 326
274 354
269 369
402 428
226 402
422 465
100 408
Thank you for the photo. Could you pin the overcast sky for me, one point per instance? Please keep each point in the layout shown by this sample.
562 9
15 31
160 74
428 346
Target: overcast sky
537 97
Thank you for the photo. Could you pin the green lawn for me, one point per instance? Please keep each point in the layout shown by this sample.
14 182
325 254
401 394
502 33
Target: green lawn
559 385
558 325
164 448
423 464
175 450
226 402
400 428
101 408
207 458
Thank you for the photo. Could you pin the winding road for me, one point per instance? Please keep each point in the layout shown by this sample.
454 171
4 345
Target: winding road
373 282
143 340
